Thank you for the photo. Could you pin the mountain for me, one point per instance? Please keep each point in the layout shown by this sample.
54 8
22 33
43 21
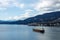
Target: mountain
47 17
12 22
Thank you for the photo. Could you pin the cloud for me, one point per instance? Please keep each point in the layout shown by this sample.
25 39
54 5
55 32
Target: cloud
21 16
47 5
30 9
22 5
4 4
17 4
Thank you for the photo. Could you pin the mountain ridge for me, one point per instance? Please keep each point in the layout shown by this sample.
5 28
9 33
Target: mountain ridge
47 17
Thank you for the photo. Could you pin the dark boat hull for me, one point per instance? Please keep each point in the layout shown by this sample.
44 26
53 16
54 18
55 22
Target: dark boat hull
36 30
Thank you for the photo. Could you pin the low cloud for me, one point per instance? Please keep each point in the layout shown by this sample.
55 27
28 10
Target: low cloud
22 16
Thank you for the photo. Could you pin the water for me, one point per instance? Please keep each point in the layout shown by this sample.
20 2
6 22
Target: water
24 32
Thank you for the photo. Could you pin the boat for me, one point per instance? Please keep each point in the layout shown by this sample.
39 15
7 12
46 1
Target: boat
41 30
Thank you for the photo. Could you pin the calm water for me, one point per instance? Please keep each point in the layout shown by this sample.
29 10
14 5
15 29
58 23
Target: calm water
23 32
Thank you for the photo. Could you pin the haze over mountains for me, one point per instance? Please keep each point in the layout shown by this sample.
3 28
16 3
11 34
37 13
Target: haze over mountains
47 17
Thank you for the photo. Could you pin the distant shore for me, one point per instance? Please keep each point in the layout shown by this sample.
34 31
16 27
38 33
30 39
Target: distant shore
47 24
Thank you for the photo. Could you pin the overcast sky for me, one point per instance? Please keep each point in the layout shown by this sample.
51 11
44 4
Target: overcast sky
22 9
